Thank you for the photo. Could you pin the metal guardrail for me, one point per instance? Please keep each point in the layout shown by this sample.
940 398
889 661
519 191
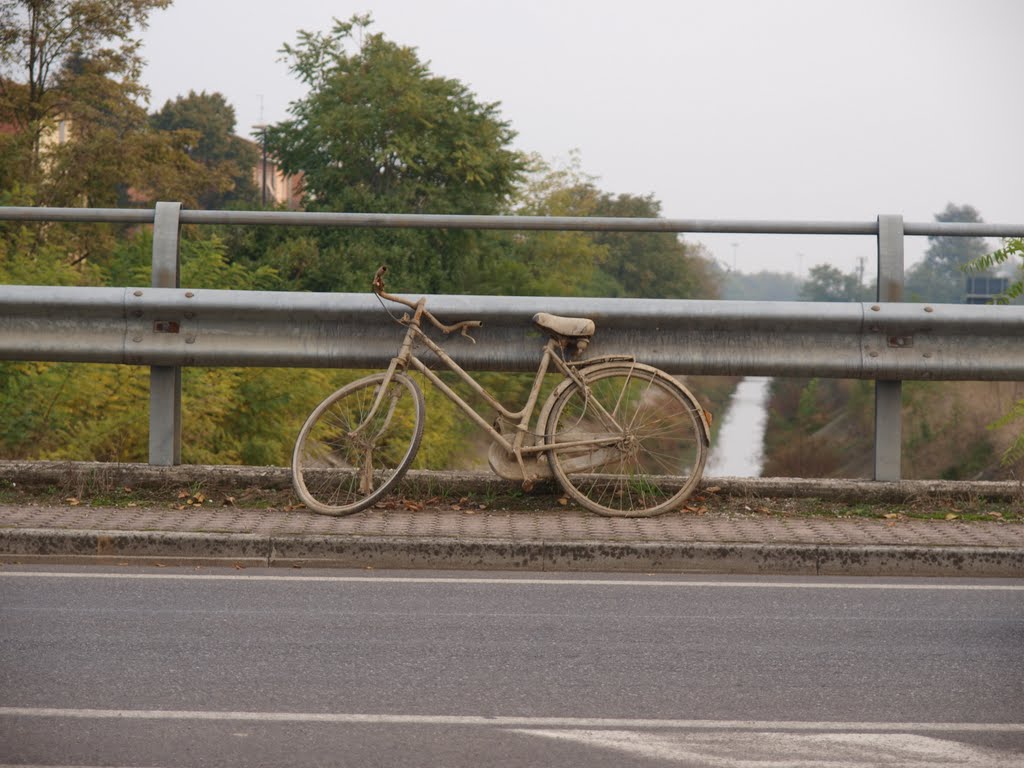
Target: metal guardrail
534 223
166 327
179 327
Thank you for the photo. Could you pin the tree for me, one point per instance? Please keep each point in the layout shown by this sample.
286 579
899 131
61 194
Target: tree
939 277
78 135
547 263
42 40
649 265
206 122
827 283
378 132
111 156
654 265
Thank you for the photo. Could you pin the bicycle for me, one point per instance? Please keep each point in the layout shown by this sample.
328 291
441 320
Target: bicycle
621 438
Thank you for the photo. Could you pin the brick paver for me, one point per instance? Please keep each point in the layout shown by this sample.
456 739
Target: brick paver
561 524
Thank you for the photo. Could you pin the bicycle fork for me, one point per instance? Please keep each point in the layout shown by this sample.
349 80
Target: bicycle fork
392 394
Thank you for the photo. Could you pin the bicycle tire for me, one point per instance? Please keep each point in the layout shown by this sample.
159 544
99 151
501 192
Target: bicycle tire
658 456
338 469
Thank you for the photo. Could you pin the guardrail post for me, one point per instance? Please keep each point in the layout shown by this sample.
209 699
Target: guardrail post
165 381
889 394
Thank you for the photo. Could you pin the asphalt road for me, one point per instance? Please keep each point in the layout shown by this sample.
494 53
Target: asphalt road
166 667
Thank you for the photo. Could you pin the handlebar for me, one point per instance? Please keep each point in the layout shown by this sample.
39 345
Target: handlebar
420 306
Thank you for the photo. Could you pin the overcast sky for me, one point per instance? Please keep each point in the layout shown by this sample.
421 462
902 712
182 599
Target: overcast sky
722 109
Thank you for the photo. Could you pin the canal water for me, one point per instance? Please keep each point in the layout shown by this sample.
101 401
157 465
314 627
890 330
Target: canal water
738 450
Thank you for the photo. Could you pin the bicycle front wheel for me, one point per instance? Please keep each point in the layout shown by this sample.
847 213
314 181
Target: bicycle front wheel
633 444
349 454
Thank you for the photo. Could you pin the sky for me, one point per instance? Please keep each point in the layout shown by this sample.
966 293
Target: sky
821 110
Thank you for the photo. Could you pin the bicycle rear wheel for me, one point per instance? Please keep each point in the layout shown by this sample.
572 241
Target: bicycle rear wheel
347 455
640 442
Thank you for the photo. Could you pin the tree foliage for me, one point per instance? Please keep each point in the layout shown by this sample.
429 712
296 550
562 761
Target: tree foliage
206 124
378 132
828 283
939 277
651 264
44 48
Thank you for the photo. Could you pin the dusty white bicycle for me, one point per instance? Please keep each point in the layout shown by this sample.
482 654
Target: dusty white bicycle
622 438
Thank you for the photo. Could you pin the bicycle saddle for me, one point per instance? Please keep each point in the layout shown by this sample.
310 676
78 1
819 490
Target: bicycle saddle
568 327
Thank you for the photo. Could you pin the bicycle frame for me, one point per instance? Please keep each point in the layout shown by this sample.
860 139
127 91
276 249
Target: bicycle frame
520 419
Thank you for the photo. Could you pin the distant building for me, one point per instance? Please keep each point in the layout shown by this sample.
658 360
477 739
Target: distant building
982 289
276 187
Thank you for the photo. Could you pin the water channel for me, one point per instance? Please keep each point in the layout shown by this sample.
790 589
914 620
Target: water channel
738 450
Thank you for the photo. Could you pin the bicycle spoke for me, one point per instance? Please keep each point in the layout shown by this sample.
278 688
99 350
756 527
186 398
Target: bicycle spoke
654 452
349 452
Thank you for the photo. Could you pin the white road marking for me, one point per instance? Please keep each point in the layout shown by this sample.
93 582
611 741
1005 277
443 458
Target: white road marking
504 721
513 581
773 749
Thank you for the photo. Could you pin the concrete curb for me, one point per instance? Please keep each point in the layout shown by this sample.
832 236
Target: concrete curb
251 550
104 476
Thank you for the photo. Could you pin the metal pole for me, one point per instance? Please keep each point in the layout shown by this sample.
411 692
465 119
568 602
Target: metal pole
165 381
889 394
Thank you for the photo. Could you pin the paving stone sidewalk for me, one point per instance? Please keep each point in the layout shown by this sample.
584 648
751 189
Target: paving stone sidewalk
555 537
556 524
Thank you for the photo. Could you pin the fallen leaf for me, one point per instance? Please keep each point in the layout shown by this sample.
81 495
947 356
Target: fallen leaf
74 502
892 515
229 501
712 489
564 501
183 494
952 516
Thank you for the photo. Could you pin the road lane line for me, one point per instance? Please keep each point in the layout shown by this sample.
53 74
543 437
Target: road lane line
354 718
513 581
